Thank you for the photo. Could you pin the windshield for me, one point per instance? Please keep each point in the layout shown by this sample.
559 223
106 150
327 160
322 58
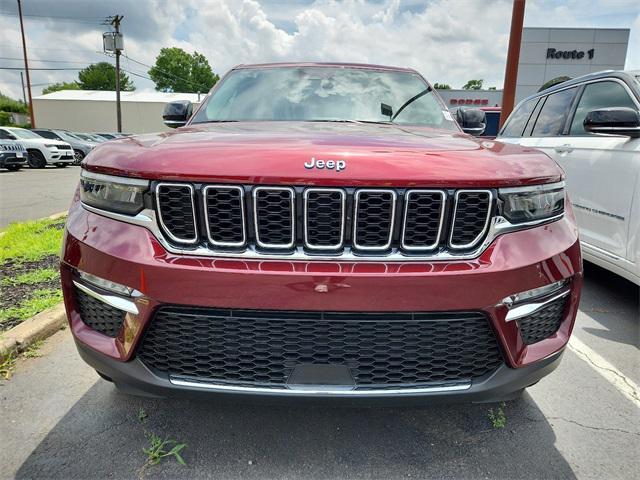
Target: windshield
324 94
22 133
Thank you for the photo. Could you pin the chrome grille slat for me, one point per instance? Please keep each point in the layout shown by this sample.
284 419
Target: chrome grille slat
176 211
323 225
374 218
224 215
274 216
423 219
471 216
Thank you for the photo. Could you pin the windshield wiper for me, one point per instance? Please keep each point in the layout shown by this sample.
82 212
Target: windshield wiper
410 101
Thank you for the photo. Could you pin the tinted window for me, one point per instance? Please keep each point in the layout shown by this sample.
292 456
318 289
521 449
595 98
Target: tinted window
553 114
4 135
518 119
599 95
324 94
46 134
493 122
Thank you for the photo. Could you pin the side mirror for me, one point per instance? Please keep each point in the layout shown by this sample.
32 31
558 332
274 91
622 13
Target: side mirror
177 113
471 120
614 121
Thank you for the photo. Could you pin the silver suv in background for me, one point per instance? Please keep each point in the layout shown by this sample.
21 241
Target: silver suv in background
81 147
13 155
42 151
591 126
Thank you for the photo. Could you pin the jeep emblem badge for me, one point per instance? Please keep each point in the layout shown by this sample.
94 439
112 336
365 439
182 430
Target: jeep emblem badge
337 165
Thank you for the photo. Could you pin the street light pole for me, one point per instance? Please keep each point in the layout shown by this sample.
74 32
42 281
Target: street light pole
513 57
26 65
116 25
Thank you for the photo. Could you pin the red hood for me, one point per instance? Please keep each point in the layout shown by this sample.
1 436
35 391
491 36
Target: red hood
274 153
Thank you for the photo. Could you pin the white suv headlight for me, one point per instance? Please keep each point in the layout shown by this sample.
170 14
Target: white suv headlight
538 202
114 194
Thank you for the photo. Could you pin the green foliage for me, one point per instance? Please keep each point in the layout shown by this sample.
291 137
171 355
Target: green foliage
158 450
473 85
554 81
492 88
498 417
27 241
8 104
31 278
5 119
142 414
441 86
7 365
56 87
39 301
102 76
178 71
34 349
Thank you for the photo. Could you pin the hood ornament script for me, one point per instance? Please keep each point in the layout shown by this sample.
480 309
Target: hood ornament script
337 165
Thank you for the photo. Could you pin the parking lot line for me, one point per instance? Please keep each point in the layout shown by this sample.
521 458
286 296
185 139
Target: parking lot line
621 382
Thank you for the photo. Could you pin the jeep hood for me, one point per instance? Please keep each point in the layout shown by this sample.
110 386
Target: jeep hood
275 153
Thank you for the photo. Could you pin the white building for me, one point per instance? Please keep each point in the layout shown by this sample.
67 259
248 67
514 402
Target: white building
548 53
95 111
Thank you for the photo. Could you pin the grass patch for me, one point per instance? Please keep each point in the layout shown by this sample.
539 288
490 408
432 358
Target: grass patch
39 301
159 449
498 417
30 241
34 349
32 278
7 365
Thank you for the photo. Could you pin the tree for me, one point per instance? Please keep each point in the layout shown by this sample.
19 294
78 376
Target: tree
473 85
56 87
492 88
178 71
441 86
102 76
554 81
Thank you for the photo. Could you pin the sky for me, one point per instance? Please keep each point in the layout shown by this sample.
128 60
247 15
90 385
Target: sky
448 41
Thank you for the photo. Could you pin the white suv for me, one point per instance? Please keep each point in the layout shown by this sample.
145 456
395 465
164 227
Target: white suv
591 127
42 151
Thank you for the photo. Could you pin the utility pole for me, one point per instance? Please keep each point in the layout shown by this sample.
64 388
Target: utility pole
116 25
513 57
26 66
24 95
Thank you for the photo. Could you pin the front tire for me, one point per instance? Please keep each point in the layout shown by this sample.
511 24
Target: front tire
13 168
78 156
36 159
61 165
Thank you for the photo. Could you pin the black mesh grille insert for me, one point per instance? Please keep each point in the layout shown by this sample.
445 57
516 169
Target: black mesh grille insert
543 323
274 217
263 347
98 315
470 218
225 219
324 218
176 211
422 219
374 219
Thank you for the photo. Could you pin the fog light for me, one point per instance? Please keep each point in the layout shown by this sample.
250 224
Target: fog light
530 295
106 284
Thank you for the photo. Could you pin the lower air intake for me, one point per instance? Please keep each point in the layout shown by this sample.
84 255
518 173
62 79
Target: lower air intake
98 315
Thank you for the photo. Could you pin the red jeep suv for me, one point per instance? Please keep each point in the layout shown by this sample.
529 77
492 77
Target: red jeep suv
321 230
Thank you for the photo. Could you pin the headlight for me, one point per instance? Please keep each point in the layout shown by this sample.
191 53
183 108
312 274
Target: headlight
526 204
115 194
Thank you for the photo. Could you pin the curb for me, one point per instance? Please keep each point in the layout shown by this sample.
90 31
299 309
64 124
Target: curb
38 327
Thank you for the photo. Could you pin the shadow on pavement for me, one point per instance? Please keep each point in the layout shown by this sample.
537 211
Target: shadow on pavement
101 436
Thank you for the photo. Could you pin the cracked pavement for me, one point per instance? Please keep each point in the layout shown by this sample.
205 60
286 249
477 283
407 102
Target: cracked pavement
59 420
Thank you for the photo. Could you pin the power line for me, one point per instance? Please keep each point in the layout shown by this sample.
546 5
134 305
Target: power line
22 68
88 20
45 61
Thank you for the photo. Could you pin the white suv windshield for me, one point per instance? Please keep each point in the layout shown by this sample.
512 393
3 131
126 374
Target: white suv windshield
22 133
324 94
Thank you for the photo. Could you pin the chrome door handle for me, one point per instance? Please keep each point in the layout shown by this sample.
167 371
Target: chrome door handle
563 149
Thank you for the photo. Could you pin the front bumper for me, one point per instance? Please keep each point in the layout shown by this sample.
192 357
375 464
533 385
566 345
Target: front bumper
56 155
9 158
130 255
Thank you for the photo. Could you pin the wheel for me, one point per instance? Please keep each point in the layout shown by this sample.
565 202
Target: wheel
13 168
61 165
78 156
105 377
36 159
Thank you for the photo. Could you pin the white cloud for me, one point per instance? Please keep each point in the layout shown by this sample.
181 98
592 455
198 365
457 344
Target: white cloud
448 41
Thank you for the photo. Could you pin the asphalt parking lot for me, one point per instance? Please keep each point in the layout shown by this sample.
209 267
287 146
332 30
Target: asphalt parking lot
59 420
33 193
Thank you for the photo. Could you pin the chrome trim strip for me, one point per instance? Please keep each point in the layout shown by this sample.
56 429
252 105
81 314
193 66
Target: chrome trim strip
440 225
520 311
292 197
193 212
206 215
113 179
311 391
474 242
147 219
356 201
532 188
343 202
114 301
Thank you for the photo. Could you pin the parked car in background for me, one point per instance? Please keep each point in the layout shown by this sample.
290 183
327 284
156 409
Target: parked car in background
91 137
13 154
300 238
42 151
591 126
81 147
106 136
